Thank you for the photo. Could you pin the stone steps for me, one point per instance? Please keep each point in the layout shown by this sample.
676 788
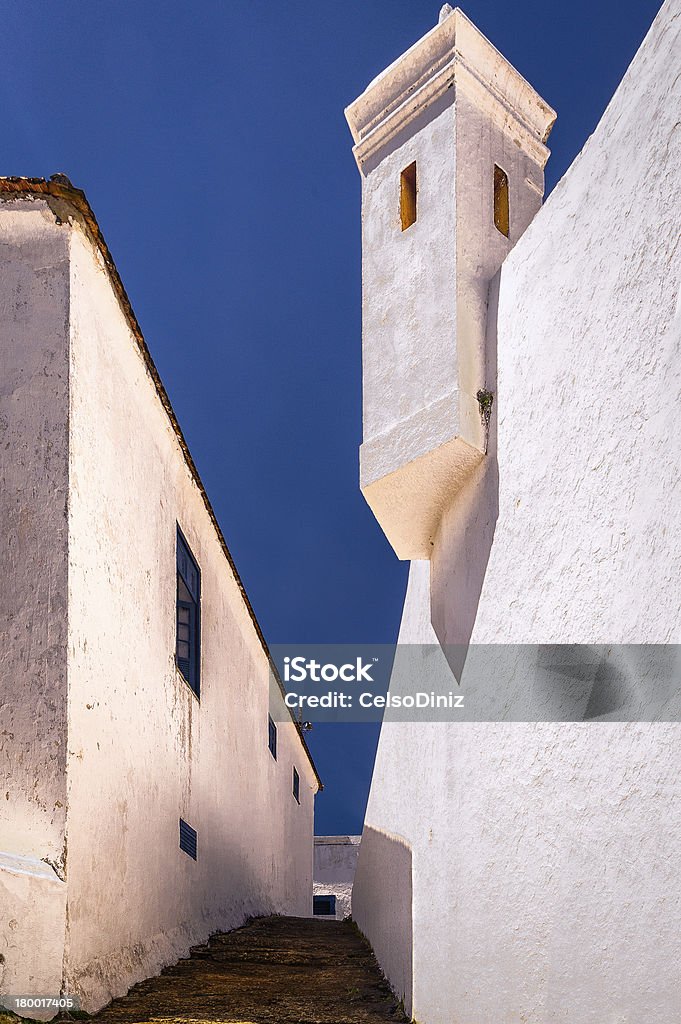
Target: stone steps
274 970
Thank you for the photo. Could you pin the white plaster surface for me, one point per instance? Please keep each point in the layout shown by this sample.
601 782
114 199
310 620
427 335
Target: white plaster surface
589 382
34 292
409 306
382 903
545 856
33 906
143 750
80 411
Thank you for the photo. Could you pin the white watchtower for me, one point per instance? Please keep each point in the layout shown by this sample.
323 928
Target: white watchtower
450 143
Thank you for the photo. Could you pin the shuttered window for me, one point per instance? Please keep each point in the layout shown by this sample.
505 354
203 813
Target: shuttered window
187 651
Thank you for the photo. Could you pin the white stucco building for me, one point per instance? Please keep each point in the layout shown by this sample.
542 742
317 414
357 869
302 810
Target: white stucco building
522 379
335 861
147 801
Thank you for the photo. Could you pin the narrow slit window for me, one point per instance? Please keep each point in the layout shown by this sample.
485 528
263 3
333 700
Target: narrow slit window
501 211
408 196
188 615
272 738
296 785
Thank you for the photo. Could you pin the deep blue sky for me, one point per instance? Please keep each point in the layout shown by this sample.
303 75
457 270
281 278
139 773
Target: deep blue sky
211 142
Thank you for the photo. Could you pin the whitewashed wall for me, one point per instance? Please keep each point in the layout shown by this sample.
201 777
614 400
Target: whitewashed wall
142 750
34 295
556 847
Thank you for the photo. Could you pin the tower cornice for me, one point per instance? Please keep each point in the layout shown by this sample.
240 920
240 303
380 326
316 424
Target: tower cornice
454 55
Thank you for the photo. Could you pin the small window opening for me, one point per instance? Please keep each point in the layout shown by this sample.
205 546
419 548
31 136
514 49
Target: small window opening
501 211
188 839
296 785
187 646
272 743
408 196
324 906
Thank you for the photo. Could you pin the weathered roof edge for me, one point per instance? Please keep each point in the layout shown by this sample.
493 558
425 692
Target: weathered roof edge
76 197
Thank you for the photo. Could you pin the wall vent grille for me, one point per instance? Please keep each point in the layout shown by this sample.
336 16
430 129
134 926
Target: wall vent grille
188 839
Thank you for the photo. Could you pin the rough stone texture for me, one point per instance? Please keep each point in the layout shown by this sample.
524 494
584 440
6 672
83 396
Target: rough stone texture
545 855
274 971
